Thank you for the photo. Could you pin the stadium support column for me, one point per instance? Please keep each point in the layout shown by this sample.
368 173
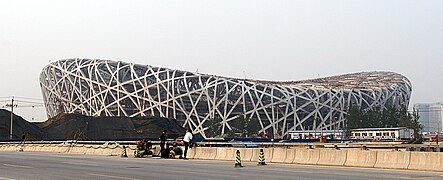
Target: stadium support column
276 135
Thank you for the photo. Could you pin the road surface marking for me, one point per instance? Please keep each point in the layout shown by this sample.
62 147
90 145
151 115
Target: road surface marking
18 166
82 164
199 173
115 177
4 178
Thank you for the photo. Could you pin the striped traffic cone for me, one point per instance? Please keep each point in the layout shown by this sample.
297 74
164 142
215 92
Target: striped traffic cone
137 153
261 158
237 159
124 152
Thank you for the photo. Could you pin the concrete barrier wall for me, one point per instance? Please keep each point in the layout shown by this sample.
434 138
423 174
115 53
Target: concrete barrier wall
97 150
90 150
55 149
332 157
28 148
77 149
426 161
205 153
102 150
360 158
246 154
306 156
52 148
43 148
37 148
72 149
290 155
115 151
198 153
278 155
230 154
63 149
191 152
221 153
12 148
227 154
130 150
393 159
5 147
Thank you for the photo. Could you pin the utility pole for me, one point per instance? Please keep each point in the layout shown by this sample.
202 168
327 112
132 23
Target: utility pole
12 105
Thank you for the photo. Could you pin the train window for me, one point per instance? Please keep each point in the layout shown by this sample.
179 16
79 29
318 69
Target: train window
378 134
364 134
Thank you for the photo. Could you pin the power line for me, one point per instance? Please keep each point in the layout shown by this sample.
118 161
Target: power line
6 97
29 102
21 97
29 106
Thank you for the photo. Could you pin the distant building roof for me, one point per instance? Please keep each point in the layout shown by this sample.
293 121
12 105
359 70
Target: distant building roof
316 131
378 129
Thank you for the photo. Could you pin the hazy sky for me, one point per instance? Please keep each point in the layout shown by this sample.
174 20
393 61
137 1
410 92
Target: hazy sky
273 40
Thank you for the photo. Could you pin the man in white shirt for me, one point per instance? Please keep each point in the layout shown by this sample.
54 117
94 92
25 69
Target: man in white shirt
186 140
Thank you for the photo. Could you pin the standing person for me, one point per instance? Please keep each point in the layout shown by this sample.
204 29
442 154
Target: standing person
186 140
163 141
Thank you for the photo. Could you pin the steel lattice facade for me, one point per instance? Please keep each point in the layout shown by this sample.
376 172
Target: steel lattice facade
111 88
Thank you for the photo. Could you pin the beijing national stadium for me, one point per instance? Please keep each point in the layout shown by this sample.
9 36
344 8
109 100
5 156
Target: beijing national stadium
96 87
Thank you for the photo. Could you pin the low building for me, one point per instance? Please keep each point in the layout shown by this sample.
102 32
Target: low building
387 134
316 134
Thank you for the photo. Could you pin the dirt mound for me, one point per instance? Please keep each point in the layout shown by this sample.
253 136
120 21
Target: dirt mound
20 127
77 126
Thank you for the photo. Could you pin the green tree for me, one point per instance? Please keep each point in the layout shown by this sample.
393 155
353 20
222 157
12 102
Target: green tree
214 127
377 117
246 127
238 125
354 119
410 120
252 126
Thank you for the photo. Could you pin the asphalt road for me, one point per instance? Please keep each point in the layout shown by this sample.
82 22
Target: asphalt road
26 165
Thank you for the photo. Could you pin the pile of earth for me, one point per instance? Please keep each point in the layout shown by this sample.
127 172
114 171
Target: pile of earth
20 127
80 127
